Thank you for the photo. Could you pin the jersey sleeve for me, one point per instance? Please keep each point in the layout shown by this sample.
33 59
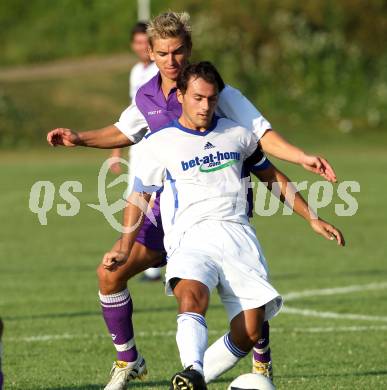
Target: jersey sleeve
235 106
151 173
255 158
132 123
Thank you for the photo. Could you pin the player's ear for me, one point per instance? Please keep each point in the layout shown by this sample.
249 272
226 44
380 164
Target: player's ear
151 54
179 95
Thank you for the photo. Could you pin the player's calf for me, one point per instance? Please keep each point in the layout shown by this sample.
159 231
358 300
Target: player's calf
117 310
245 331
246 328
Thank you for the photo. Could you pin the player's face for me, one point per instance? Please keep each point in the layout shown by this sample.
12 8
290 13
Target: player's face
170 55
140 46
198 103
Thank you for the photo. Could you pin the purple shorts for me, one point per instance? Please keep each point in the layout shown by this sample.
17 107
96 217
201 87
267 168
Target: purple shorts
150 235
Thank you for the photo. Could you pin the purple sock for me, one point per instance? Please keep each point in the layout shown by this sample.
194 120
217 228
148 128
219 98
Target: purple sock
261 349
117 311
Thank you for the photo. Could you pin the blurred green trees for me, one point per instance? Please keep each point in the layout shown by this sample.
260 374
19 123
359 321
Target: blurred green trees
43 30
306 56
326 59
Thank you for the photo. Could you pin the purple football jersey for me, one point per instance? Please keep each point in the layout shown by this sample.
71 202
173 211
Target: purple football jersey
158 112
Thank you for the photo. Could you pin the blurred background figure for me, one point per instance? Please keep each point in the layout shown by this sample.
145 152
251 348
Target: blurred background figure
141 72
145 69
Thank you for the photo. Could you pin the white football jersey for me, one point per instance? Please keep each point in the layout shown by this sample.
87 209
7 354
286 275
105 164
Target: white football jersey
139 75
200 174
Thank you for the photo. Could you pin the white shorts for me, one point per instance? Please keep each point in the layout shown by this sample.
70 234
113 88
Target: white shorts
228 256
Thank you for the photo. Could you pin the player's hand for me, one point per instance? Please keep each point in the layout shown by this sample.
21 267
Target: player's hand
327 230
320 166
64 137
113 259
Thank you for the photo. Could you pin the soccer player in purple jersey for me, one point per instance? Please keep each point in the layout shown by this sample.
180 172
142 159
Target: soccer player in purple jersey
156 104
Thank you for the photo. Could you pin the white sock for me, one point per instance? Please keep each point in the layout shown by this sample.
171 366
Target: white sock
192 339
219 357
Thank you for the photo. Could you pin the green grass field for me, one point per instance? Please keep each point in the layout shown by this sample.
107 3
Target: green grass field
55 337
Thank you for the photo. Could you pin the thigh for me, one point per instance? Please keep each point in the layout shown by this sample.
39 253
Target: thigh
191 265
150 235
140 259
192 296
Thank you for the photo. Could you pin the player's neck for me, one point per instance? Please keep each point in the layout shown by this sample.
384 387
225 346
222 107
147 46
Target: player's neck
167 85
188 124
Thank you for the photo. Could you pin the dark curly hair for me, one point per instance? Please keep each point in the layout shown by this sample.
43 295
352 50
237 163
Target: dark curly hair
204 70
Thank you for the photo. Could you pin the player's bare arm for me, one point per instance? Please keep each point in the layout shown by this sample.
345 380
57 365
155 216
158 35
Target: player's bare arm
289 194
233 105
115 167
273 143
132 222
106 138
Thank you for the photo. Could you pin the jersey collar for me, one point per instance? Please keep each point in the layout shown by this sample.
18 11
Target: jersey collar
177 124
153 87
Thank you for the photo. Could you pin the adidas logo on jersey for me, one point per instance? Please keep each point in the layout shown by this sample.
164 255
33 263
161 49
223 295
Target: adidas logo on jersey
208 145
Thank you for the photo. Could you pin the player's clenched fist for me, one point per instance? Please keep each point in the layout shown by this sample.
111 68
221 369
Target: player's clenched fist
64 137
114 259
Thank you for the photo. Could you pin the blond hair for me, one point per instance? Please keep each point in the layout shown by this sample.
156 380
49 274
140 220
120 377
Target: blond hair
170 25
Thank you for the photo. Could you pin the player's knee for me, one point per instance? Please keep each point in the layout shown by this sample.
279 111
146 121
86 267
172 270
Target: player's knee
110 282
102 274
192 303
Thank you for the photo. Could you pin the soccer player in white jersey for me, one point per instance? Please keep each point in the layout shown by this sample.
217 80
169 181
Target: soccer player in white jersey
170 48
209 240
